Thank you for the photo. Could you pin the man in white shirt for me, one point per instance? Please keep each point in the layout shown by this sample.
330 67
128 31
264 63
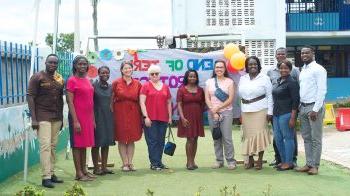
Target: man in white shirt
313 89
274 74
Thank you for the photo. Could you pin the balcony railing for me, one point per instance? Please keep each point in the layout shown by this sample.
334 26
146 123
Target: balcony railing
318 15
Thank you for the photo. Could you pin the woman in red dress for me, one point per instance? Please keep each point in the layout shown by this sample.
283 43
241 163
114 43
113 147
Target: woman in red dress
190 103
127 114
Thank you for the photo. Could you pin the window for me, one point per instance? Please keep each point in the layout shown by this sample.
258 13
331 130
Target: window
263 49
230 12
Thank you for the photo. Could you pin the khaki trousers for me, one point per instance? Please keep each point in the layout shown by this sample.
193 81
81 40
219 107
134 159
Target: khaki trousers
47 135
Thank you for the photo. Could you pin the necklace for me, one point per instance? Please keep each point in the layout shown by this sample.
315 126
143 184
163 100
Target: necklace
192 90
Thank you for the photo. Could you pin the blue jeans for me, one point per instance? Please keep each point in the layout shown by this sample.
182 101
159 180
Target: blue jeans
284 136
155 139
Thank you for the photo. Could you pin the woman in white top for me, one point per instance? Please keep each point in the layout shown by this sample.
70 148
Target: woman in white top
256 104
221 110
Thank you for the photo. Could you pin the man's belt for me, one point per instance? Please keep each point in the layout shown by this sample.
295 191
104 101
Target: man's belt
245 101
306 104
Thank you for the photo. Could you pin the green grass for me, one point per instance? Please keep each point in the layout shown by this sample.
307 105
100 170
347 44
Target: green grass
332 179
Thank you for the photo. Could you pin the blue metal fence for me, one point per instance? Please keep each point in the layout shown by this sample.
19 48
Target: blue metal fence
313 21
15 65
318 15
65 65
14 72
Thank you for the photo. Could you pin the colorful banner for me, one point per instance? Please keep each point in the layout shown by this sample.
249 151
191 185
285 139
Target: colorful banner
173 62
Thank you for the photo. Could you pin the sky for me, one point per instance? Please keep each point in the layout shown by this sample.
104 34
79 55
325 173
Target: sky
115 18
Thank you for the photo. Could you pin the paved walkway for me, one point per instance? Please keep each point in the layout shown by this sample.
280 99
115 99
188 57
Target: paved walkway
336 146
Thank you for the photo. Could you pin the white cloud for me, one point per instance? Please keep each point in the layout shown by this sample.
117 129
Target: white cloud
115 18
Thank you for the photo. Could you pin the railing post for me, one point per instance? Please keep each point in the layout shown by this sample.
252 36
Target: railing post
6 73
17 82
22 75
1 97
11 71
37 59
26 65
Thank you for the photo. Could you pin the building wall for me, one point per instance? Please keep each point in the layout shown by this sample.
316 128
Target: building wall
261 24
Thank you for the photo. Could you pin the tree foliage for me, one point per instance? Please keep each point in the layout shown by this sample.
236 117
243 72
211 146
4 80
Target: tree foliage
65 41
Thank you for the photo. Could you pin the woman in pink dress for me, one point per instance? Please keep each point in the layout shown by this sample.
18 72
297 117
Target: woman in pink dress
80 94
190 103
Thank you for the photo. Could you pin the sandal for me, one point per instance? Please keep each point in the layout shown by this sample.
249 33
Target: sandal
98 172
83 178
90 175
107 171
191 167
125 168
131 167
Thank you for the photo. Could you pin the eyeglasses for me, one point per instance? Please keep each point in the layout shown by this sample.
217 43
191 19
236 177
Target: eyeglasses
154 74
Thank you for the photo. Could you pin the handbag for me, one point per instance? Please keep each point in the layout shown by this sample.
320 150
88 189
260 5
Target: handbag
219 93
169 147
216 132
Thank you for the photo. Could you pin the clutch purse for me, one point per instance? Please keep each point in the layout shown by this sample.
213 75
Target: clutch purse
216 132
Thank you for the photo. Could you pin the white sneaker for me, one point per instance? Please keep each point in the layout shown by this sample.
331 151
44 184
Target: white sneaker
217 165
231 166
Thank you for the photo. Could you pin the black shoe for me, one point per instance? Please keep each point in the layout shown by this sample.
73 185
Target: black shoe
295 164
156 168
54 179
273 163
164 166
47 183
281 168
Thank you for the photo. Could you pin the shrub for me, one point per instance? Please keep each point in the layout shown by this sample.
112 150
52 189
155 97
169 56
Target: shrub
342 105
30 191
76 190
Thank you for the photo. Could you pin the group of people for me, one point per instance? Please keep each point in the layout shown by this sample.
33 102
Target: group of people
102 113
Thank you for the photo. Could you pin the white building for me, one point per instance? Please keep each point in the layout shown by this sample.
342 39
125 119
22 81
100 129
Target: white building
260 23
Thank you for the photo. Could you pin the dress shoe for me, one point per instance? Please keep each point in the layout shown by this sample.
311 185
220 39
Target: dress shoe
284 167
47 183
313 171
306 168
54 179
277 166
